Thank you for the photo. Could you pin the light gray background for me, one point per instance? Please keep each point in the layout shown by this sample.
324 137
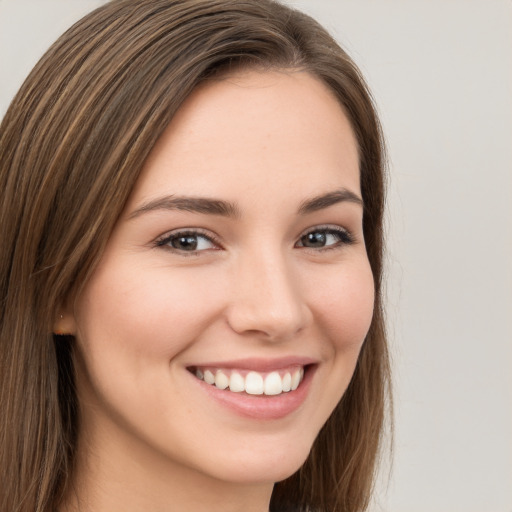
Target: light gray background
441 74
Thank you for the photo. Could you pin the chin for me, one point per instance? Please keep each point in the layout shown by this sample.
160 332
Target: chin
264 465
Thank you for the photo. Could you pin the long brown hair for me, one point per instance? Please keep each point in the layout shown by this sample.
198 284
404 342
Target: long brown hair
72 144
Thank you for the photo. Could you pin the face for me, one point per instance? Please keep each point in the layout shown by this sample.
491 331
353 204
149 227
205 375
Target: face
224 321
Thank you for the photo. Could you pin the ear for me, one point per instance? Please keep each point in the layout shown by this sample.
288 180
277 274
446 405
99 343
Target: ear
65 324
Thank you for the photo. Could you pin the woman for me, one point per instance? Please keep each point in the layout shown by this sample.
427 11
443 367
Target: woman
190 269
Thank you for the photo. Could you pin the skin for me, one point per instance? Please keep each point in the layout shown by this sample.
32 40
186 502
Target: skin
151 436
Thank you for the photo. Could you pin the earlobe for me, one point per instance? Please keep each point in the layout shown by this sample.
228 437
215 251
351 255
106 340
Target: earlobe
64 325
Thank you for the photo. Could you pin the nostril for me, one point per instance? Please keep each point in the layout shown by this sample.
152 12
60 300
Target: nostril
271 322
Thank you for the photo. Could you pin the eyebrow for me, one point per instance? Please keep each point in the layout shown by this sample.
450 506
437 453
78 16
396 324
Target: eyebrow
189 204
228 209
325 200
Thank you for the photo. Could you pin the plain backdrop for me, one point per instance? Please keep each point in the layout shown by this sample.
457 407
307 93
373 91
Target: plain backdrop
441 74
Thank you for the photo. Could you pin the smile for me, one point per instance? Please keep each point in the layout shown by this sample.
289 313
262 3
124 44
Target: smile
252 382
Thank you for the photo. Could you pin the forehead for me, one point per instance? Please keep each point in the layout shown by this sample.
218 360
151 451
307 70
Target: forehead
252 130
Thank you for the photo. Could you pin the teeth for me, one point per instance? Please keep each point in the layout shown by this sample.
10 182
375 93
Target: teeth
209 378
287 382
295 380
273 384
254 383
236 383
221 380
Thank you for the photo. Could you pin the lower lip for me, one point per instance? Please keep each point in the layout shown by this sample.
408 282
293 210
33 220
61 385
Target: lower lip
262 407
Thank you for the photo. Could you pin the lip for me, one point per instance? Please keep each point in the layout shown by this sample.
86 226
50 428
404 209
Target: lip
258 364
261 407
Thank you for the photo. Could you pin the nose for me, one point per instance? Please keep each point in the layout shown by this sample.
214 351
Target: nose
266 299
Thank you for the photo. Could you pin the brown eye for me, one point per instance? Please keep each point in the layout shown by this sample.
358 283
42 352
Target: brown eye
187 242
184 243
315 239
323 238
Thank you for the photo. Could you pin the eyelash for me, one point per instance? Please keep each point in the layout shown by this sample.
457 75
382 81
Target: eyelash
344 236
196 233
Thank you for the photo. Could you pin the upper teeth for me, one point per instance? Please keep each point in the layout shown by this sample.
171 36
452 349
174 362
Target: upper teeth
253 383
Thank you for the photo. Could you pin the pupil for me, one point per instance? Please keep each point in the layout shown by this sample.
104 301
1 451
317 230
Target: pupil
315 239
187 243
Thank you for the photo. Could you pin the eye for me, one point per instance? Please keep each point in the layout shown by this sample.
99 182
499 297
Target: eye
187 241
323 238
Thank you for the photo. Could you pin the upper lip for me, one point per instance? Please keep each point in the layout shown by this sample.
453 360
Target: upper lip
259 364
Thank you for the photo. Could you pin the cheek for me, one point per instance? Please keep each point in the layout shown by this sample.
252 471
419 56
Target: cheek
345 309
144 312
345 305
